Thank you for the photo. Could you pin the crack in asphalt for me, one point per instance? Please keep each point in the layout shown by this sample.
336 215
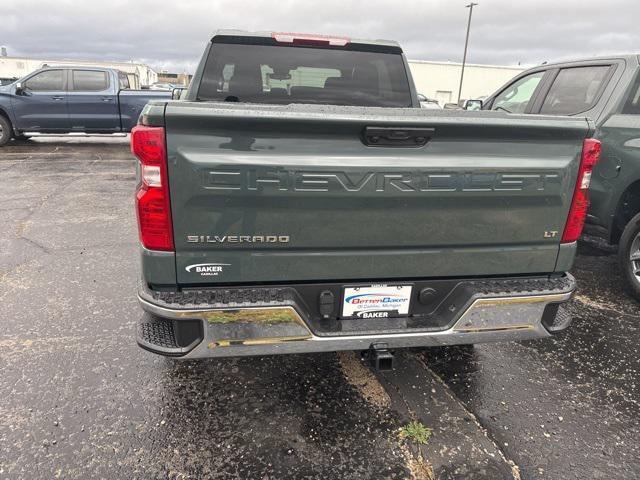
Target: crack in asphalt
367 383
415 454
23 224
514 467
460 447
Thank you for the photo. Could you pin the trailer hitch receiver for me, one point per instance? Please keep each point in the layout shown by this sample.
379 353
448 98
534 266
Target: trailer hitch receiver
380 358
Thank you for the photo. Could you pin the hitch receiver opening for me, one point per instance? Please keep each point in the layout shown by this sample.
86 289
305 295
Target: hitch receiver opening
380 358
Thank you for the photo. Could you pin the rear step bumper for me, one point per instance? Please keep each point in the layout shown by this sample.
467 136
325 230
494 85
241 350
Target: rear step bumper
265 320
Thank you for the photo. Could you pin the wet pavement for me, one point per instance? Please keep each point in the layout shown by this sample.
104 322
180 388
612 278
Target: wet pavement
569 406
79 399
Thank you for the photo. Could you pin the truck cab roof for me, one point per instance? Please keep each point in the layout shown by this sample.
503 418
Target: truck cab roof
592 87
632 58
65 66
272 35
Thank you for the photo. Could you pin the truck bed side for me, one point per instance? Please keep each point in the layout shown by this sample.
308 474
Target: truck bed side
131 103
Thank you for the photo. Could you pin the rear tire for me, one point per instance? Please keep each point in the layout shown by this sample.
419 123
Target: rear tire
629 255
5 130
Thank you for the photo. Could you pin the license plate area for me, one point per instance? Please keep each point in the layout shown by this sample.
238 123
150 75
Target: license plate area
376 300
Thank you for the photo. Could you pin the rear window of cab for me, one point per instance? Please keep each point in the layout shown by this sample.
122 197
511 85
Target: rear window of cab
293 74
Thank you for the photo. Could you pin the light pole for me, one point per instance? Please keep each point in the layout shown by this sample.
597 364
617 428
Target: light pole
466 43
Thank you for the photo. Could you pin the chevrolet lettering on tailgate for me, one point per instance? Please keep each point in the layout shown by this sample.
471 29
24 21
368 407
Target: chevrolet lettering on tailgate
300 181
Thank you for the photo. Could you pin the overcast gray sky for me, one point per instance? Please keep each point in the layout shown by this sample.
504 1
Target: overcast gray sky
171 35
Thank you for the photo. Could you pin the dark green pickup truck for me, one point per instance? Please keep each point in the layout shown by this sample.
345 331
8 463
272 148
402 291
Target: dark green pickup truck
299 200
607 90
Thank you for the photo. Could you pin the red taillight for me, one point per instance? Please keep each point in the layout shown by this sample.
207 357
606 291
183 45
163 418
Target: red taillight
307 39
153 207
578 212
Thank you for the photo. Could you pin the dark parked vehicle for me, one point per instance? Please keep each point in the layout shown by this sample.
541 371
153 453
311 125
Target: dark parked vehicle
71 99
298 199
606 90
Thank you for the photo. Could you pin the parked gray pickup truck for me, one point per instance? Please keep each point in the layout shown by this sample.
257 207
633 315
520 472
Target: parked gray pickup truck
299 200
71 99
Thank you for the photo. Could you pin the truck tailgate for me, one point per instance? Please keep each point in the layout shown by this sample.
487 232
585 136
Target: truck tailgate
294 193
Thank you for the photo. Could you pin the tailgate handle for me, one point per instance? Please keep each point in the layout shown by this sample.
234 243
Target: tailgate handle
397 136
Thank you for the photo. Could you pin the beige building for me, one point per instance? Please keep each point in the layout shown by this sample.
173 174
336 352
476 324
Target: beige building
16 67
174 78
441 80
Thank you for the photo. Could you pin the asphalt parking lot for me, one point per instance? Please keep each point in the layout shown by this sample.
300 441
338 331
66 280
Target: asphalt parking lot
79 399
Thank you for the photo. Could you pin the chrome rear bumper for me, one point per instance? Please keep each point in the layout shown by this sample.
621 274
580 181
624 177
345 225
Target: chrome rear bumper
273 328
